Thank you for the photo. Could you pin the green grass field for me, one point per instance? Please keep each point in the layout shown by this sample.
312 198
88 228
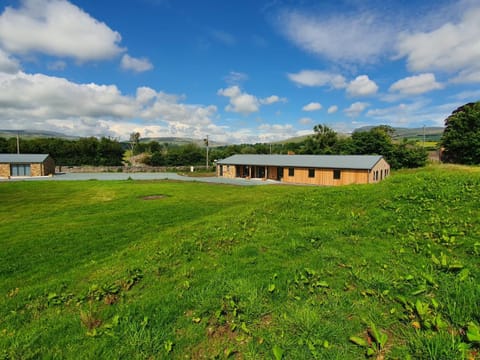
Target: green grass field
153 270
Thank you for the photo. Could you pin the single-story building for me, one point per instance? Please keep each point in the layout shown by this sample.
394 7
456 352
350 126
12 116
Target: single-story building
13 165
306 169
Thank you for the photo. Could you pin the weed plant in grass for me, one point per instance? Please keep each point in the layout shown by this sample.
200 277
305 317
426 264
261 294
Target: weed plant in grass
141 270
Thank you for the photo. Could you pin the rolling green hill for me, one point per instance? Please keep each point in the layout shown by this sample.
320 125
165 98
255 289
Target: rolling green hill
181 141
31 134
431 133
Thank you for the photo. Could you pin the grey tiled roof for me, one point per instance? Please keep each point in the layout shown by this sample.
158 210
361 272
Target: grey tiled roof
22 158
359 162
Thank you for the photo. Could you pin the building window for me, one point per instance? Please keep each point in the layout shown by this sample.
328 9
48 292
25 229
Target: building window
337 174
20 170
291 171
311 173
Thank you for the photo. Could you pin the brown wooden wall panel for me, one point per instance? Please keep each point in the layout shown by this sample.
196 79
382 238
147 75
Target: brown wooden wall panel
272 173
321 176
325 177
4 170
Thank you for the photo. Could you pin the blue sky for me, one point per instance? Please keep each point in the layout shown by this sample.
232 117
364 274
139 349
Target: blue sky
240 71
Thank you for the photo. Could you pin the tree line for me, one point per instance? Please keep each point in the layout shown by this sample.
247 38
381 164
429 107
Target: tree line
377 141
84 151
110 152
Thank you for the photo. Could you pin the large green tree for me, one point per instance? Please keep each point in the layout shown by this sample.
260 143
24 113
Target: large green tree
377 140
461 138
322 142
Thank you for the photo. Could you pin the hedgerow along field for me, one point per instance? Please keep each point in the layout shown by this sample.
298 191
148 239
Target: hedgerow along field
153 270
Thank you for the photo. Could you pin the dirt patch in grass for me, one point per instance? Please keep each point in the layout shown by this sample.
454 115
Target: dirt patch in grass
220 342
221 333
154 197
266 321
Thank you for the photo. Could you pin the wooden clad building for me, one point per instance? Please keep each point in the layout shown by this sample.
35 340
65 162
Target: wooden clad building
21 165
306 169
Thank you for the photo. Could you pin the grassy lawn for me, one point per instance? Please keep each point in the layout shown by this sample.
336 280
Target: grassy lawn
153 270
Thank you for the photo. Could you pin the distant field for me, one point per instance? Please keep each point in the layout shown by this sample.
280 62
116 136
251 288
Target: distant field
158 269
429 144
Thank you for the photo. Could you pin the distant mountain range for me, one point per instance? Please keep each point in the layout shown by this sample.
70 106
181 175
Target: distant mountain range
430 133
35 134
182 141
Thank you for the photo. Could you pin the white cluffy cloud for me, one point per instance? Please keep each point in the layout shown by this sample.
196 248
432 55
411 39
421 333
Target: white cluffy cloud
356 109
467 76
332 109
452 47
7 63
362 86
240 102
52 103
58 28
415 85
318 78
272 100
348 38
244 103
134 64
313 106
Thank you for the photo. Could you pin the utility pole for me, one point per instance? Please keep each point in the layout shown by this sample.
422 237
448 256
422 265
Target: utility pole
206 144
424 136
18 143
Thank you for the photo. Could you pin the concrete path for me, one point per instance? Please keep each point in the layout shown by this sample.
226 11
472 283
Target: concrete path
141 176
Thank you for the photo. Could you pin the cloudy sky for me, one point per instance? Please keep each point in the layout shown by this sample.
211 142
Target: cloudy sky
237 70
